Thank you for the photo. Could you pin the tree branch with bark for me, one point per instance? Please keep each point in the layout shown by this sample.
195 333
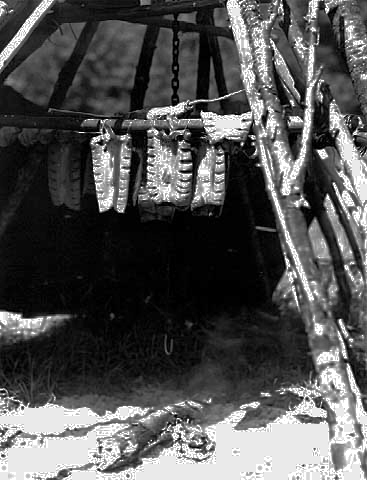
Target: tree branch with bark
327 348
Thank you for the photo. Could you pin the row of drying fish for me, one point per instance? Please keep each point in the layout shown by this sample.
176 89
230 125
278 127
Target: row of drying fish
166 173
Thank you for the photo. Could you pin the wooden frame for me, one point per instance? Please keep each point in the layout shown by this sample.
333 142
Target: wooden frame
284 171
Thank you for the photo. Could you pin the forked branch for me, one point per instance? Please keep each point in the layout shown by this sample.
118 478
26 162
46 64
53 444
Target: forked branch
294 181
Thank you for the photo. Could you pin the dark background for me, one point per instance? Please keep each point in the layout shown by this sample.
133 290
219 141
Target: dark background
55 260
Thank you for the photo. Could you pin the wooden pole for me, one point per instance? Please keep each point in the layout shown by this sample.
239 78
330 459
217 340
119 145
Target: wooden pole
28 172
49 26
342 397
120 125
8 49
143 69
325 180
203 76
75 13
69 70
186 27
35 41
215 53
316 200
255 241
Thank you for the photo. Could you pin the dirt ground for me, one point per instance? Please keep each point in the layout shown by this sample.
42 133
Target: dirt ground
266 421
271 431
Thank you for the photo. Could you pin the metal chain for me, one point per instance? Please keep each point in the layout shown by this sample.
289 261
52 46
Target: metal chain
175 83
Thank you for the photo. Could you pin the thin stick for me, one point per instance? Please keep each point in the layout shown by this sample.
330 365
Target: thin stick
255 241
143 68
215 53
203 75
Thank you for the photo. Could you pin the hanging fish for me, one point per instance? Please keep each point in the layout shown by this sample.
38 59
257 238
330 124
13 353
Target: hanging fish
210 184
168 182
182 183
150 196
125 153
111 155
138 156
64 170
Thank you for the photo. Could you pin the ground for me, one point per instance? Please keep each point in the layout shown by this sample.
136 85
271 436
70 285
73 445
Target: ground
267 417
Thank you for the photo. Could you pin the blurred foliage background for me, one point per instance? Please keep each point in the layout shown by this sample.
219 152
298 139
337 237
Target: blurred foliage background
106 77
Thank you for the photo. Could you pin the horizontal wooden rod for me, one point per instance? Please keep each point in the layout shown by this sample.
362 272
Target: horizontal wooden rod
186 27
129 4
119 125
72 13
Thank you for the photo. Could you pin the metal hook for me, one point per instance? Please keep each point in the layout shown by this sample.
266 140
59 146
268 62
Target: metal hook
101 125
173 122
166 351
105 129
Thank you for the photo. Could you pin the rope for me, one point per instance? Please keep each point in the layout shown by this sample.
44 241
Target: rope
184 107
175 110
218 99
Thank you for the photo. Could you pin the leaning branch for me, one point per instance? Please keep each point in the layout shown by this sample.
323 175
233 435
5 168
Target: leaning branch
142 75
327 348
69 70
294 181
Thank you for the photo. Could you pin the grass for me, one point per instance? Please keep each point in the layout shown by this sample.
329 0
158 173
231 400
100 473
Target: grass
71 355
73 360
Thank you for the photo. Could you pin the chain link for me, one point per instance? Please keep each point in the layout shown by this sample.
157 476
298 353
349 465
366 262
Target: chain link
175 83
